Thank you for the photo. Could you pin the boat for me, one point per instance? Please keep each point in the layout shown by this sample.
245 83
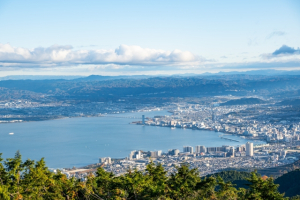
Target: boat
11 133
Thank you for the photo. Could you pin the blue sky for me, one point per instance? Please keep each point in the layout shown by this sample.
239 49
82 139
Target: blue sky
147 37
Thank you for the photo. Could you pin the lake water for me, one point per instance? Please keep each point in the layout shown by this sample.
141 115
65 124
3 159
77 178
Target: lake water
81 141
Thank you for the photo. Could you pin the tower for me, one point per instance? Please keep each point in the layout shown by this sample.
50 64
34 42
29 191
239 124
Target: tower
249 149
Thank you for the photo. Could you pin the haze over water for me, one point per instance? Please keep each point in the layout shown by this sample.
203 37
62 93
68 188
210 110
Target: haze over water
81 141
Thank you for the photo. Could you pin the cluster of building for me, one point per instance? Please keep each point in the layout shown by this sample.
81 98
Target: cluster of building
246 121
207 160
224 151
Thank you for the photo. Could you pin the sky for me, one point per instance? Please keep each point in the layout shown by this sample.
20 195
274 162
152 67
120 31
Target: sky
113 37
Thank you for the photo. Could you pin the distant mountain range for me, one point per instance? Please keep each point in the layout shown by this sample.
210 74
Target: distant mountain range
38 77
107 88
100 77
269 72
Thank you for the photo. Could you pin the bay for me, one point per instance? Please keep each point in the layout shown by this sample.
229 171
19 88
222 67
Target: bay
81 141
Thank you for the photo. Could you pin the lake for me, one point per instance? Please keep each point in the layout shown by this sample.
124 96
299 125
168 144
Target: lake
81 141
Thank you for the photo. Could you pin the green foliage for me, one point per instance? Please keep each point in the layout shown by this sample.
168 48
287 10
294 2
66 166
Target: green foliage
32 180
289 183
262 189
239 179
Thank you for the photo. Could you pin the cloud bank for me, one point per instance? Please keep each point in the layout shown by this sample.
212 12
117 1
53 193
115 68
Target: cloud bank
58 59
66 55
286 50
283 54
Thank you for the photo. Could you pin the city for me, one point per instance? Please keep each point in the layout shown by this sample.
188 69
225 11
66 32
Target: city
208 160
154 100
282 141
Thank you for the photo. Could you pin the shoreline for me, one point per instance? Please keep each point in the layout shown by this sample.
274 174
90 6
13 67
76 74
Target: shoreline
208 129
66 117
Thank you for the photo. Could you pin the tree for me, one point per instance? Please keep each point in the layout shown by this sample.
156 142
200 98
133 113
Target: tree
33 180
183 183
157 180
262 189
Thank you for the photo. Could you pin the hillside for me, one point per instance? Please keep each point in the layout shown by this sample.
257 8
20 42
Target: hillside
243 101
235 177
291 102
289 183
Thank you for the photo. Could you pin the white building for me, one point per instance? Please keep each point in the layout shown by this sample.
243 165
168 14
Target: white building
135 155
188 149
200 149
249 149
155 154
105 160
173 152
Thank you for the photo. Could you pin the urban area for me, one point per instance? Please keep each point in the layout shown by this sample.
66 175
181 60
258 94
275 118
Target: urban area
282 144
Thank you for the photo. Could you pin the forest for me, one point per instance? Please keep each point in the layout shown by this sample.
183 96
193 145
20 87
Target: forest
33 180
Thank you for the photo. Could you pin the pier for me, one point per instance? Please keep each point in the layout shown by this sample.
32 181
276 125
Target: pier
221 136
129 117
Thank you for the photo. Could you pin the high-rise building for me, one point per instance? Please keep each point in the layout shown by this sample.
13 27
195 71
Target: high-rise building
197 149
135 155
155 154
188 149
224 148
241 148
231 152
200 149
173 152
105 160
249 149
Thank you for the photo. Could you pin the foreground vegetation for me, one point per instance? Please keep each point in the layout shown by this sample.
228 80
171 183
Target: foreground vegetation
33 180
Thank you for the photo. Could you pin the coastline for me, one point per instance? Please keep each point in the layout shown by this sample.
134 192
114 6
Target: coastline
89 149
208 129
70 117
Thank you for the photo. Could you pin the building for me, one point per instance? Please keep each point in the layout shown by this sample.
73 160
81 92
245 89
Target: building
240 154
197 149
231 152
155 154
282 153
188 149
249 149
224 148
173 152
200 149
143 119
241 148
105 160
135 155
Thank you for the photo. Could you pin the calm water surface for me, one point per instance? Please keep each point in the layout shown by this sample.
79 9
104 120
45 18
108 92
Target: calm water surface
81 141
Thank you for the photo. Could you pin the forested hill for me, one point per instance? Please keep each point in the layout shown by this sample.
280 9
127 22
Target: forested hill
243 101
239 179
289 183
32 180
292 102
93 89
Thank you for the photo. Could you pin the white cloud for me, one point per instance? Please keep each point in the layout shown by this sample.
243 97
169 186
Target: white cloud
135 60
65 55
